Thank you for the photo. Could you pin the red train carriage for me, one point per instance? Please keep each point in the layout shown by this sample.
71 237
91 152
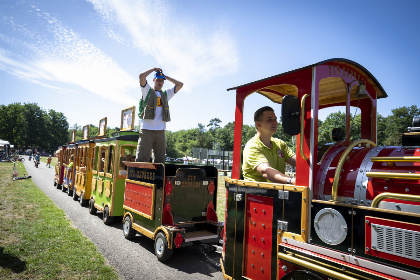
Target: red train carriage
354 212
175 205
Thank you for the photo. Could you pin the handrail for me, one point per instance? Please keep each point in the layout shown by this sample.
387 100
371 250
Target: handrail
314 267
395 159
388 175
343 157
382 196
302 128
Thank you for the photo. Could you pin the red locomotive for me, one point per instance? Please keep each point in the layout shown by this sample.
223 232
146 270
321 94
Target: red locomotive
354 212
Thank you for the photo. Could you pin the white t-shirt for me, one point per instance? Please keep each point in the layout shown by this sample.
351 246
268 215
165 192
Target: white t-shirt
157 123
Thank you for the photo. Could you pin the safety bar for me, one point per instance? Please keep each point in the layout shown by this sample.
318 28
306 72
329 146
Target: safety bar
382 196
302 128
336 275
387 175
343 157
395 159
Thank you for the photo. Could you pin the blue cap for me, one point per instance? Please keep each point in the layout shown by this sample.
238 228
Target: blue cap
159 75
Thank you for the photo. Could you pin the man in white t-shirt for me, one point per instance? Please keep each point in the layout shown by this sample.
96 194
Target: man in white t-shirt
155 115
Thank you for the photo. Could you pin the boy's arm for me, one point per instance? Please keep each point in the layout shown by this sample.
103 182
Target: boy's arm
178 84
146 73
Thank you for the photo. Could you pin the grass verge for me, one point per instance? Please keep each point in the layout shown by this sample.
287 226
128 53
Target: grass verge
37 240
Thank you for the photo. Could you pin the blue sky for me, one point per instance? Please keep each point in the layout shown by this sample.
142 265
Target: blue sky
83 58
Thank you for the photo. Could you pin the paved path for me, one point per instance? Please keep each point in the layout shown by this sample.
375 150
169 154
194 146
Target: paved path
133 259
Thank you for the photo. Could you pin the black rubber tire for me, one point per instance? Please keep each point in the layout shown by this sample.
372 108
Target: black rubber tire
69 192
55 183
92 209
105 216
83 202
128 230
162 252
75 196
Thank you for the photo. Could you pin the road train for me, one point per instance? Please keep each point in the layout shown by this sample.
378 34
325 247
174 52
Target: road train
148 198
354 212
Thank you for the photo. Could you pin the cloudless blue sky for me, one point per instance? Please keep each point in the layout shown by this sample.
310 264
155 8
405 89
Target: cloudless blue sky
83 58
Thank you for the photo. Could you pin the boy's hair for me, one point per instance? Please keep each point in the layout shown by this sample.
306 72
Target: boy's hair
259 113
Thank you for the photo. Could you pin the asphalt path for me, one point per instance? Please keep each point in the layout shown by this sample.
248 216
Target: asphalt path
133 259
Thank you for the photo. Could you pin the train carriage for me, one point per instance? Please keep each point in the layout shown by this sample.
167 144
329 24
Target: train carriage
109 174
354 212
69 172
175 205
59 167
83 171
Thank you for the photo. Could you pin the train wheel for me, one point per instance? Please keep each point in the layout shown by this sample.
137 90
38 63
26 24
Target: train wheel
129 232
63 189
82 201
106 218
92 209
162 252
55 183
75 196
58 186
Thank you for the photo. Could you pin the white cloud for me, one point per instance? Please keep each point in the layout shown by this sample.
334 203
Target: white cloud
61 59
182 50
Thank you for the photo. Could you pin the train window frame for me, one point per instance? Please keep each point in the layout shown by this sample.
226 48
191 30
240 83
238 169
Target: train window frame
109 161
101 171
122 154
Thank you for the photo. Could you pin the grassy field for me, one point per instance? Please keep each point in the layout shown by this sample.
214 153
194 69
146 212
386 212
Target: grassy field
37 241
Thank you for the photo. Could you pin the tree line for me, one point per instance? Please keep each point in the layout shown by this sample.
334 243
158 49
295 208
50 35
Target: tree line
29 126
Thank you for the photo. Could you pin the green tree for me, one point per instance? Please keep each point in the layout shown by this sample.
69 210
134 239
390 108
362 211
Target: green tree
398 122
12 124
57 127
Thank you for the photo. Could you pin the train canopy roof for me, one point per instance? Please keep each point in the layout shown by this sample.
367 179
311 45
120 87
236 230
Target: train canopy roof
332 89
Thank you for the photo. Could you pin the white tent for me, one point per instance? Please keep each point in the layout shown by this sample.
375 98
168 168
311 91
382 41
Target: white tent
4 143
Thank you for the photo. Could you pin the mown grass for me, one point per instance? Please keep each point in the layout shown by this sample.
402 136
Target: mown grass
37 241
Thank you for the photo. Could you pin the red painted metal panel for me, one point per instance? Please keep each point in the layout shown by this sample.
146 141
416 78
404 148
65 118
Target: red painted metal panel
258 237
139 197
393 224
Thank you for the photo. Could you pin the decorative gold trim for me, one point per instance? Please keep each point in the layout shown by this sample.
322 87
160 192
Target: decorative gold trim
225 276
138 212
152 207
386 175
143 231
367 208
140 183
100 185
302 128
108 188
261 185
166 232
99 207
406 197
395 159
340 164
290 258
133 115
104 122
